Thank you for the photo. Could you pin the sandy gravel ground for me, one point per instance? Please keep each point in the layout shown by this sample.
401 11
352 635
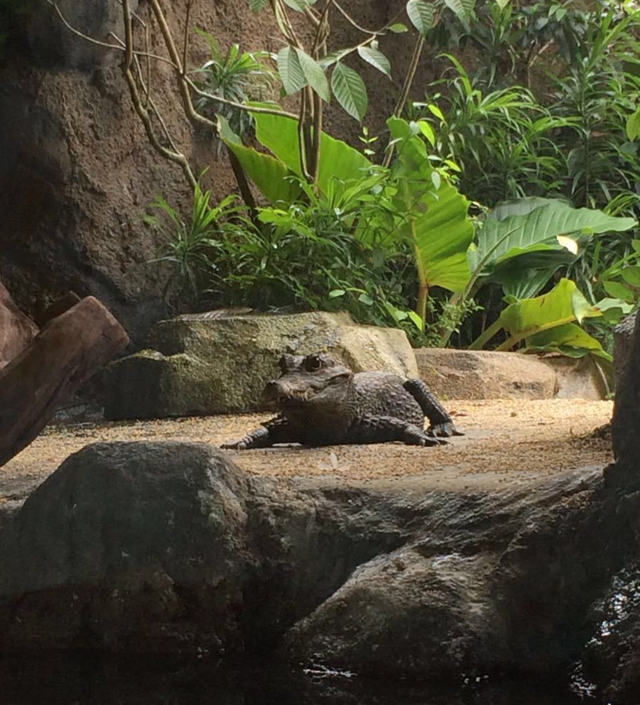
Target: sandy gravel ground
505 442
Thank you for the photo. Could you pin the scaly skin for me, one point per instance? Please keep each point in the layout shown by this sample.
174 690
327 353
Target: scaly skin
322 402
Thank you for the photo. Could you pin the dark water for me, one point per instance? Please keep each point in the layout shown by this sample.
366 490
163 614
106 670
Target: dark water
93 681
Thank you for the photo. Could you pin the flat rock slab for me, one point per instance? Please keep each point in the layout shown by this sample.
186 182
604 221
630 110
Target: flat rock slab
200 365
467 374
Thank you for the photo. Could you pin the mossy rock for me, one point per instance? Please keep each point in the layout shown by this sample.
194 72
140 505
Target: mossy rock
199 366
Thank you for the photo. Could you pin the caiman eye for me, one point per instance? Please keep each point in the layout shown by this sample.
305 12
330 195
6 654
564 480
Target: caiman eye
312 363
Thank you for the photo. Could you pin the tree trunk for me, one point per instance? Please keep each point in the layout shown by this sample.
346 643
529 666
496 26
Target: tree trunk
56 363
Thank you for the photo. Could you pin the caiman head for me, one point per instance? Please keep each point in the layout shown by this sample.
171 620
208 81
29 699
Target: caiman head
312 382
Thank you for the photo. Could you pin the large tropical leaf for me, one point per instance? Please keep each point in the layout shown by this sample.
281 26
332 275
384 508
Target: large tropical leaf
462 8
269 174
569 339
338 160
536 227
435 219
525 276
562 305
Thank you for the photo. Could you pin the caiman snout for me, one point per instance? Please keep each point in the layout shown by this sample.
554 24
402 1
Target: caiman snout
273 391
279 392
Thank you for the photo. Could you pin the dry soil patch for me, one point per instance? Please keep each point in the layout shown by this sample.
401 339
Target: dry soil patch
511 441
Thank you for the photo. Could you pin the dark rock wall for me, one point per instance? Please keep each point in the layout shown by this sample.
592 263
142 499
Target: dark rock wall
76 170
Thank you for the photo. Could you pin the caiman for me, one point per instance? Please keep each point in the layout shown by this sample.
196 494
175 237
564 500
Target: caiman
321 401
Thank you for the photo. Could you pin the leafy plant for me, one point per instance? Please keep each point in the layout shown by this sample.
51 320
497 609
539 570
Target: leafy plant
548 322
235 76
189 243
598 94
433 216
500 141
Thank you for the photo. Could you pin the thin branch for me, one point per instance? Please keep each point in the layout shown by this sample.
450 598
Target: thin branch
362 29
238 106
87 38
143 114
194 117
185 46
411 73
97 42
322 31
284 24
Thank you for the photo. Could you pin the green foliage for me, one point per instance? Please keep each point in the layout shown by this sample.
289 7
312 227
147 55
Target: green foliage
280 135
349 90
597 94
189 242
432 213
536 226
302 255
502 140
236 76
548 320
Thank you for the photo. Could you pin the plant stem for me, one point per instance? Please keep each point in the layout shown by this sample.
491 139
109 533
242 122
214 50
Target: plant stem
423 296
408 81
485 337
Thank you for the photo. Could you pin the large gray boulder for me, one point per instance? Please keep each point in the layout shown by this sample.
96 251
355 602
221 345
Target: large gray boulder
128 546
197 365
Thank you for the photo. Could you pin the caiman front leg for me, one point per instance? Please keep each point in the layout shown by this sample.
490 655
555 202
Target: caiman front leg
382 429
440 421
277 430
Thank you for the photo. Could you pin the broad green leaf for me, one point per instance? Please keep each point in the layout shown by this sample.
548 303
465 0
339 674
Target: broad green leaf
502 3
613 310
350 90
334 293
619 291
436 224
523 282
568 339
421 15
427 131
398 28
435 110
338 160
314 75
521 206
633 125
257 5
461 8
267 173
539 229
291 73
631 275
563 304
376 58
